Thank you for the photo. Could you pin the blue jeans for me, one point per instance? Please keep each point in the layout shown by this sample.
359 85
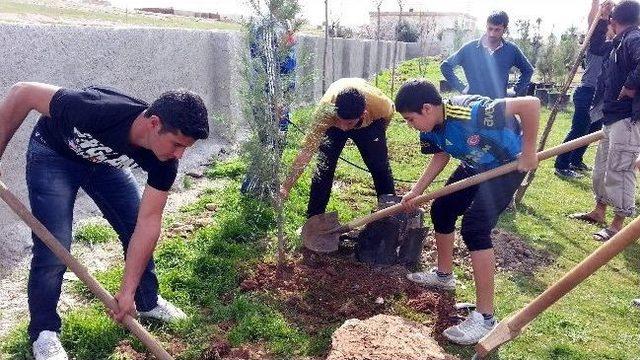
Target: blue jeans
53 182
580 126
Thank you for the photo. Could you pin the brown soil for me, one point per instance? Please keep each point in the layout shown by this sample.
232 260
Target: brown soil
126 350
220 349
320 291
512 254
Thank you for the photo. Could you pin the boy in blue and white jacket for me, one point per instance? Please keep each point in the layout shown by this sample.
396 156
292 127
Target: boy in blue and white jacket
483 134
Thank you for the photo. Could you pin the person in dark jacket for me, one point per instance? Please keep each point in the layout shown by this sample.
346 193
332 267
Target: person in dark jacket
614 173
570 165
487 62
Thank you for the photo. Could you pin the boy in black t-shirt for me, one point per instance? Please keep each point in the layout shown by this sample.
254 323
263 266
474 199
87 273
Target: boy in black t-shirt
89 139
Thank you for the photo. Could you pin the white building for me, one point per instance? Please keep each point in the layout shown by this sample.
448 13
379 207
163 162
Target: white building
441 32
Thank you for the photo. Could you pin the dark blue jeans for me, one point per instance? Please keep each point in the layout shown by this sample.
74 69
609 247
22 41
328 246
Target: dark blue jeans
53 182
580 126
372 144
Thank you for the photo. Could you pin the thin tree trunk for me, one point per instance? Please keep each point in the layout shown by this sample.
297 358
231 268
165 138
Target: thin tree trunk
378 44
326 43
395 50
420 39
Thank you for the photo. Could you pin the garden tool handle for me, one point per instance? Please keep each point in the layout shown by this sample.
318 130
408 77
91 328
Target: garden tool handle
81 271
516 322
474 180
579 273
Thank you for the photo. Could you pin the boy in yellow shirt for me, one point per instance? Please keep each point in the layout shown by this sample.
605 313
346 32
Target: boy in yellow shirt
352 109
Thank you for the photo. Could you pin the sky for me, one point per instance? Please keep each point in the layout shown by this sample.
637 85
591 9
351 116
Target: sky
556 15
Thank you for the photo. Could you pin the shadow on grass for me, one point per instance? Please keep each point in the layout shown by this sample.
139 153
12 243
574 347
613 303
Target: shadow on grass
585 186
631 256
467 352
527 284
557 247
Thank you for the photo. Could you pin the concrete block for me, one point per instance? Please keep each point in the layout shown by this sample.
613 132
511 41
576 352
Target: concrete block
307 72
320 45
412 51
356 58
337 54
381 56
366 59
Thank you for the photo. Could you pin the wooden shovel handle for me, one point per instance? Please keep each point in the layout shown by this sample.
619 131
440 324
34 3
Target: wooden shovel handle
511 327
476 179
83 274
583 270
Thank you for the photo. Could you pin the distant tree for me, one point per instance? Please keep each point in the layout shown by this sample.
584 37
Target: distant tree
387 31
529 39
458 35
565 53
338 31
545 65
407 32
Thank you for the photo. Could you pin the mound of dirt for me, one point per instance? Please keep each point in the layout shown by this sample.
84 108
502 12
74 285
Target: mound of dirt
513 254
384 337
320 291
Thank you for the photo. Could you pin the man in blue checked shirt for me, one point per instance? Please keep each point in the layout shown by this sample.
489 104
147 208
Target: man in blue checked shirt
487 62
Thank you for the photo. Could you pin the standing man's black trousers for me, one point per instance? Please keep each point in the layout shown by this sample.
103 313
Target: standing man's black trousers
372 144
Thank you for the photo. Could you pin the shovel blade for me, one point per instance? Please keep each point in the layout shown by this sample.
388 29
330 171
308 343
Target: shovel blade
321 233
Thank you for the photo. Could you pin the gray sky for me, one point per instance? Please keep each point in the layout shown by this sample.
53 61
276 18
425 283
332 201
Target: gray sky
556 14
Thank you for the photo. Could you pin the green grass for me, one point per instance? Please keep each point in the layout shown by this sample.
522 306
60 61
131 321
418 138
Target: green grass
56 14
201 273
93 233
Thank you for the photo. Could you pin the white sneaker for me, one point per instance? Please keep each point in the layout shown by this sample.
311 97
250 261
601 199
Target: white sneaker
470 331
48 347
164 311
431 279
636 302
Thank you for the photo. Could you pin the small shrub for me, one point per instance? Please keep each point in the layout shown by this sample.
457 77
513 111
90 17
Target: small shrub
16 344
258 322
229 169
93 233
407 32
187 182
90 334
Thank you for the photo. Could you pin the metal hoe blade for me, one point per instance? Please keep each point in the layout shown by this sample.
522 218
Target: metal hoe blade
321 233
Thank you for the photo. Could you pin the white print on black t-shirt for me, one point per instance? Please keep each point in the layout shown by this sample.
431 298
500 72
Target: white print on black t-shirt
87 147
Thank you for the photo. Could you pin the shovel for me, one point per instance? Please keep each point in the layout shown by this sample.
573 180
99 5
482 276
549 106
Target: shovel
511 327
54 245
321 232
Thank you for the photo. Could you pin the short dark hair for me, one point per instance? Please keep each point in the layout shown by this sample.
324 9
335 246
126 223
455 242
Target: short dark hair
626 12
498 18
181 110
350 104
414 93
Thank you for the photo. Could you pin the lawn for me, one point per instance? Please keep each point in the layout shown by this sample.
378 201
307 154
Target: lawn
202 268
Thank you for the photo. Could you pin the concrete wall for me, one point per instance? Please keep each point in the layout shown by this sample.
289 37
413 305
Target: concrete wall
345 58
146 62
